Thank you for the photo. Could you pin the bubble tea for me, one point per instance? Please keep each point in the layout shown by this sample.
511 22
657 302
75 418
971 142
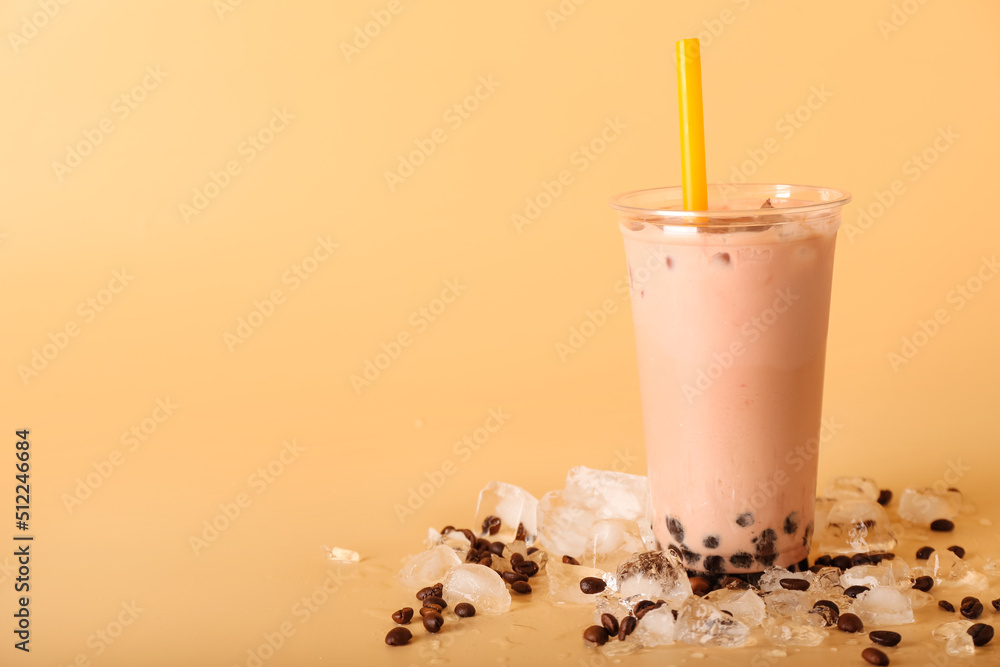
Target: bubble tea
730 307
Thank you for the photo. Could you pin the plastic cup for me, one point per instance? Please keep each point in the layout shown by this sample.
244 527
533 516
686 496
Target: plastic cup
730 308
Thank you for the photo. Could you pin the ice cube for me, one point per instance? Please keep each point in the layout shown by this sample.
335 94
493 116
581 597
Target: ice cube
788 603
770 580
340 555
946 631
563 526
960 645
918 599
883 606
513 506
922 506
857 525
992 567
610 495
868 575
823 507
453 538
477 585
827 580
950 571
563 582
655 575
701 623
610 542
610 602
429 567
844 488
656 627
745 605
790 633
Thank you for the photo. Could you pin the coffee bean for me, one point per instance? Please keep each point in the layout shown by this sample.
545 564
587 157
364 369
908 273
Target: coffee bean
923 583
842 562
425 611
447 529
486 560
850 623
516 559
971 608
482 544
433 607
947 606
879 556
398 636
592 585
861 559
885 637
522 534
642 607
569 560
424 592
511 577
403 616
532 550
469 535
522 587
855 591
596 634
875 656
981 634
465 610
433 623
700 586
497 548
957 550
793 584
627 626
828 611
923 553
942 525
610 624
437 590
824 560
491 525
528 567
996 604
436 600
884 497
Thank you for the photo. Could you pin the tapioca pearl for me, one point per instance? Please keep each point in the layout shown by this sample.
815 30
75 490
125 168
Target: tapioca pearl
670 262
791 523
765 551
711 542
721 258
690 557
715 564
807 535
742 559
676 529
745 520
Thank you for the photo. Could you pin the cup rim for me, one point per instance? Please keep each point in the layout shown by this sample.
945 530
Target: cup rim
831 197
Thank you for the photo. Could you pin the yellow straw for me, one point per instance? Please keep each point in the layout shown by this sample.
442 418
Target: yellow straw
692 125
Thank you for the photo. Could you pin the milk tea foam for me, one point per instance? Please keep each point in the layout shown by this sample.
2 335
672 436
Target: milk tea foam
731 329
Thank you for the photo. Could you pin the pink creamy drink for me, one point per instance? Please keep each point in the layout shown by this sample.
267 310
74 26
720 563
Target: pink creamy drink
731 313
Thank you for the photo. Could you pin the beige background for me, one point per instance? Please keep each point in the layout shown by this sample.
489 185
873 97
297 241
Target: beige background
114 516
